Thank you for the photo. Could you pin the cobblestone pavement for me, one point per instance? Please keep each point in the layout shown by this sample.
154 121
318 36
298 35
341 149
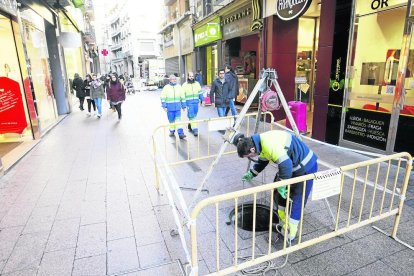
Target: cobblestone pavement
83 202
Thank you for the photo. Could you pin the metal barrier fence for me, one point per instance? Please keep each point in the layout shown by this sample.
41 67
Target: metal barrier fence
380 196
201 147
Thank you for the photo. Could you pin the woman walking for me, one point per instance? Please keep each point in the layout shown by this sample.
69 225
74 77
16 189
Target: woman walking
87 89
116 94
97 93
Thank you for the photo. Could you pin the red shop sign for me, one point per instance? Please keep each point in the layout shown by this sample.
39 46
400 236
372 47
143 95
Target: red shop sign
12 115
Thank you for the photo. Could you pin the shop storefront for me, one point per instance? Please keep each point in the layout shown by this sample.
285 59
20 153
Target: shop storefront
371 98
241 46
292 41
208 48
16 100
38 58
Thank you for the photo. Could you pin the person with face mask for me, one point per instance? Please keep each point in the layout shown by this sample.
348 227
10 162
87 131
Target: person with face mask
173 100
193 97
116 94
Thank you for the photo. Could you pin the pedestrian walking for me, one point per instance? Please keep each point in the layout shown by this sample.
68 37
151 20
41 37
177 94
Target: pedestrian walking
77 85
116 94
97 93
294 159
173 100
89 100
193 97
219 93
233 80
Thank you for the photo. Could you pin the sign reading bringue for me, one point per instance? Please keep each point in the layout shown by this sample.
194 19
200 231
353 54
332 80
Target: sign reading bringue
290 9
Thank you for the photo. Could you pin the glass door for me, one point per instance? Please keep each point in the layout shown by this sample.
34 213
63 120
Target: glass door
404 97
372 83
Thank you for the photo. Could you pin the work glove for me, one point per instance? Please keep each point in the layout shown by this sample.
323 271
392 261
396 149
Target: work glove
248 176
282 191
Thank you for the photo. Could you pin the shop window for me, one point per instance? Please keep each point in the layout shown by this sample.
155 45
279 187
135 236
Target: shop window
14 119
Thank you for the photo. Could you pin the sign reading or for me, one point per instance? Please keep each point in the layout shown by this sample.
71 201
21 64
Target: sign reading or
207 33
290 9
12 114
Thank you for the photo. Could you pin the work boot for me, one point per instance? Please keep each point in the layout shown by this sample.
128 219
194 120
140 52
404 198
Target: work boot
292 230
182 136
195 132
189 128
171 134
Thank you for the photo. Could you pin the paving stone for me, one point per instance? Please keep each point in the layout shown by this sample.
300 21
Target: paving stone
8 239
17 215
122 255
27 252
119 226
153 254
401 261
373 270
95 191
93 212
70 210
147 230
93 266
26 272
64 235
91 240
41 219
171 269
57 263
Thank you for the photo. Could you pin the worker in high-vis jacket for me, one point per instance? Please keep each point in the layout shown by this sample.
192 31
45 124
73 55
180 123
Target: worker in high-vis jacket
193 97
173 100
293 158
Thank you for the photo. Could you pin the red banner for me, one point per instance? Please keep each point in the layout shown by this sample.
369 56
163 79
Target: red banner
12 115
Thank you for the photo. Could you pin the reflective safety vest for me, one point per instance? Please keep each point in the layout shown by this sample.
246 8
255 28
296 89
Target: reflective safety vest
193 92
172 97
293 156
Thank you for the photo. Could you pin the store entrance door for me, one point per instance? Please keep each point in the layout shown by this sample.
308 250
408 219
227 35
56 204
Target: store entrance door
379 100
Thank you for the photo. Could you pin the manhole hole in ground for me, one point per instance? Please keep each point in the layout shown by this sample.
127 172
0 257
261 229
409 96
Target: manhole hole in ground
245 217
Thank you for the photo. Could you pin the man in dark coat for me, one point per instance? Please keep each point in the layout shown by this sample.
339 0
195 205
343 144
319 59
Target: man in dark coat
78 86
219 93
233 80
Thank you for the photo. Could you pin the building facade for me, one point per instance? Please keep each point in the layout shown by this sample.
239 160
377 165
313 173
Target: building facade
131 41
34 81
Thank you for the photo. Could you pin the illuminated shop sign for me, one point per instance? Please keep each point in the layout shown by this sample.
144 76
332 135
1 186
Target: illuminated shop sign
208 33
290 9
9 6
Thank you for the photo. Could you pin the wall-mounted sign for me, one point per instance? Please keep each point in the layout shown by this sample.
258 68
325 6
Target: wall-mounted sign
290 9
12 114
207 33
9 6
370 6
286 9
244 12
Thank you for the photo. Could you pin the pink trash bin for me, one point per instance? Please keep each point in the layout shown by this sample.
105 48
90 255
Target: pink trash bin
298 110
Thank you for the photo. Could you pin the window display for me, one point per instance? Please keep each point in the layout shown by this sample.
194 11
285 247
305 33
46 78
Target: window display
14 120
36 46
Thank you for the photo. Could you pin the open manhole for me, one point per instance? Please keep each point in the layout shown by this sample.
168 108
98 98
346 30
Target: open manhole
245 217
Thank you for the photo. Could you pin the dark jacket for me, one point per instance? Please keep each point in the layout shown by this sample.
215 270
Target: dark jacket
233 80
77 84
219 93
87 88
115 92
